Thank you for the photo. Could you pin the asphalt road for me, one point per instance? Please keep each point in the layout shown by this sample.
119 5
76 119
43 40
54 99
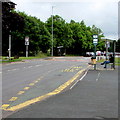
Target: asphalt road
33 78
95 96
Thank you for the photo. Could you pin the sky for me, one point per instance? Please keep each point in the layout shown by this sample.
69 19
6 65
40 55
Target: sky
101 13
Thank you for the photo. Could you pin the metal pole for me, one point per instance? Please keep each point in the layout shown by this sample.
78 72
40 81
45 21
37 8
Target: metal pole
26 50
106 49
52 32
114 46
9 47
95 57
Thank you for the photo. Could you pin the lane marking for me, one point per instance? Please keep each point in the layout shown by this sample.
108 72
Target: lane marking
12 69
31 84
98 76
13 98
0 72
54 92
30 66
26 88
20 92
36 81
79 80
4 106
38 65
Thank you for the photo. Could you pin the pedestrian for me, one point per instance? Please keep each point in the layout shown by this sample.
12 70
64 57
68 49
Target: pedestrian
111 60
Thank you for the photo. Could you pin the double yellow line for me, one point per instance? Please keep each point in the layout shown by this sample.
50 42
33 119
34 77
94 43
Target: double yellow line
56 91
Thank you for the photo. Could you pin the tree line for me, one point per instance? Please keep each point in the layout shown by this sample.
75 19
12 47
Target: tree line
75 37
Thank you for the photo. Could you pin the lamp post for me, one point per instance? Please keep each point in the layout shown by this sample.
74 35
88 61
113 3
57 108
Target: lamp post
52 32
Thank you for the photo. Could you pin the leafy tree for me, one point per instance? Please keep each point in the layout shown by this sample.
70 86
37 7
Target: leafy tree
11 21
75 37
39 37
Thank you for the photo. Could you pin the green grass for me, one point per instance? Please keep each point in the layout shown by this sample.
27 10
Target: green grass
71 55
6 60
117 61
28 58
9 61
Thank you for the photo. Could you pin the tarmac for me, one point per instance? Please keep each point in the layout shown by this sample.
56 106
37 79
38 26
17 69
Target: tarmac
95 97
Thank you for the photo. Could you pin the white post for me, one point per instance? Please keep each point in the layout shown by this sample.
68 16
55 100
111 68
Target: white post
26 43
9 46
26 50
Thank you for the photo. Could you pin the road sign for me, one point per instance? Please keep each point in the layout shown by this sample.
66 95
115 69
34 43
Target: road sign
107 44
95 41
26 43
95 36
26 40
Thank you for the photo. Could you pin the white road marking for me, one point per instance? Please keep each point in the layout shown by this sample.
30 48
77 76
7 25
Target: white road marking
0 72
79 79
98 76
13 69
38 65
30 66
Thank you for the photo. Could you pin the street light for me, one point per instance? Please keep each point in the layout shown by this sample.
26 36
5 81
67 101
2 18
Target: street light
52 31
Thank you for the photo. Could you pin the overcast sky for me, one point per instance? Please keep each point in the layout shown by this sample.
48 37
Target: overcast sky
102 13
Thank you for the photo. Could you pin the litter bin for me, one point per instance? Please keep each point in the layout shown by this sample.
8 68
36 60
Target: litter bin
93 60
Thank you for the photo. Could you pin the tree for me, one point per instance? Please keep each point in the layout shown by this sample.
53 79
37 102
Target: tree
37 32
11 21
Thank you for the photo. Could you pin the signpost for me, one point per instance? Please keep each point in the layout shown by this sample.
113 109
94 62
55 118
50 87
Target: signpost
26 43
9 47
95 41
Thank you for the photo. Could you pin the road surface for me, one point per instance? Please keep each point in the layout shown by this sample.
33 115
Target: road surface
93 96
31 79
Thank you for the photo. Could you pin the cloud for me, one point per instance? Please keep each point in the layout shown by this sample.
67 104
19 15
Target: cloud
102 13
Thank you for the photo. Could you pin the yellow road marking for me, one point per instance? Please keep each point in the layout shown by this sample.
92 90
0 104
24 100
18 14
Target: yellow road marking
13 98
31 84
26 88
76 69
20 92
71 70
4 106
56 91
36 81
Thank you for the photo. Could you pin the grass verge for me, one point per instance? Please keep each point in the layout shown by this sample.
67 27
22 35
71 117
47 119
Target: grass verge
4 59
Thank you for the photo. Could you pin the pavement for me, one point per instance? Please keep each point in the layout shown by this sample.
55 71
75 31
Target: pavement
93 96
